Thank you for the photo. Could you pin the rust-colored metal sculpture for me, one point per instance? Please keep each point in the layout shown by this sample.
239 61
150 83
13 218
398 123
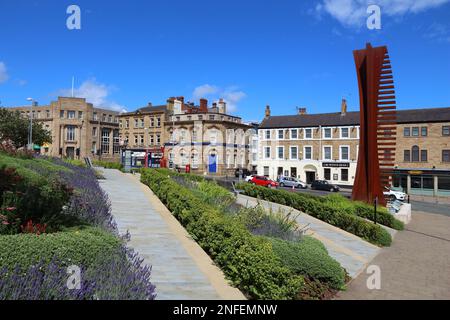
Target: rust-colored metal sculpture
378 124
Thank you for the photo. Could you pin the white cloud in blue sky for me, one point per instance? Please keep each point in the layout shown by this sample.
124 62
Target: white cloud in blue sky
231 95
3 72
95 93
353 13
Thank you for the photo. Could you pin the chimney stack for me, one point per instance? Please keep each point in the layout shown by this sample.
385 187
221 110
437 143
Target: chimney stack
301 111
203 105
267 111
222 106
182 103
344 107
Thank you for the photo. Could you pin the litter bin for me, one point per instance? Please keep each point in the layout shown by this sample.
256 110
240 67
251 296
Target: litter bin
188 168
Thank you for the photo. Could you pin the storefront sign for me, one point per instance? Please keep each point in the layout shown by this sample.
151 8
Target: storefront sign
336 165
415 173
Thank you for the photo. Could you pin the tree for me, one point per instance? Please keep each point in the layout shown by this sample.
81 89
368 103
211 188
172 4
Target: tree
15 127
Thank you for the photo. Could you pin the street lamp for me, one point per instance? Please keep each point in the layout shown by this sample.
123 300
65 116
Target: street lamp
30 129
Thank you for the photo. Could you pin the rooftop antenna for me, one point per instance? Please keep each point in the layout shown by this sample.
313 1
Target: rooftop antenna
73 84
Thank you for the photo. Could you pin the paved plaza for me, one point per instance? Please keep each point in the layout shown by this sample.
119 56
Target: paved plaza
416 266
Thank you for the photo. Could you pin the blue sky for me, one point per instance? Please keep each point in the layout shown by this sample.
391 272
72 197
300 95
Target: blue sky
252 53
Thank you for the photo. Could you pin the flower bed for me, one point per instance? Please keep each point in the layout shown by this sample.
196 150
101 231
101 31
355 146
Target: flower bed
77 228
322 211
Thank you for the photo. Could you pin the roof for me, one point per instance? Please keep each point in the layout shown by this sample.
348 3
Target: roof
352 118
148 109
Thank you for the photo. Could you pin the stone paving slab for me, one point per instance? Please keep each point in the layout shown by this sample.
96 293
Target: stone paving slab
416 266
175 273
352 252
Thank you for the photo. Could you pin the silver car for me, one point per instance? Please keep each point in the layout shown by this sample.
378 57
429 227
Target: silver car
292 182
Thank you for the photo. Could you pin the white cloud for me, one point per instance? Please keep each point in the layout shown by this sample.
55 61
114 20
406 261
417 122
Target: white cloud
354 12
231 95
3 73
95 93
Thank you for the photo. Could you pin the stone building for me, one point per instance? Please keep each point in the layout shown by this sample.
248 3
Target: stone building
206 139
326 147
78 129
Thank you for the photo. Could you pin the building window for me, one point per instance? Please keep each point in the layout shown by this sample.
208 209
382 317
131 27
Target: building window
445 155
70 114
294 153
446 130
345 153
70 133
194 136
280 153
127 124
47 113
280 134
266 171
423 155
94 147
80 115
61 114
200 117
120 124
407 132
136 140
94 117
141 140
345 134
344 174
152 122
211 117
105 141
94 131
142 123
104 118
327 174
308 153
267 152
136 123
267 134
294 134
327 133
158 139
116 142
158 122
407 156
424 131
308 133
327 153
110 119
415 154
415 131
152 140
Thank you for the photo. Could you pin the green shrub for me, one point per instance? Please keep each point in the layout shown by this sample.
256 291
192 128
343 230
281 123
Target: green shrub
248 261
322 211
74 247
108 164
309 257
75 162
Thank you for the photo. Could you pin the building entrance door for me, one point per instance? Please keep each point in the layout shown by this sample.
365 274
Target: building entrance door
212 167
310 177
70 153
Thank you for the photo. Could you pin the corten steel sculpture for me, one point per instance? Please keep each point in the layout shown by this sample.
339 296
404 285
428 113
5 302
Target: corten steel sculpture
378 124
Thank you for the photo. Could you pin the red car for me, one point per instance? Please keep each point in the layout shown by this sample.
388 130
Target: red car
264 182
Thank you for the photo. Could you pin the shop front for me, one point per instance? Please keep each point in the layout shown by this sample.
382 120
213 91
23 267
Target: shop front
143 158
424 182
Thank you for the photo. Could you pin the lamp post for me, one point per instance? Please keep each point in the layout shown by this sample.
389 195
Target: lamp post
30 129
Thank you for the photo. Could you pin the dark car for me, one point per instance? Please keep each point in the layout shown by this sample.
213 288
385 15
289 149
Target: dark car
242 173
324 185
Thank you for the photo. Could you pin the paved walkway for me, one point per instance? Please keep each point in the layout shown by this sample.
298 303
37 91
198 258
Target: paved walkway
181 270
350 251
416 266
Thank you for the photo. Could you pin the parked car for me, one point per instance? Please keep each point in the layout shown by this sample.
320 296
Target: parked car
324 185
292 182
264 182
394 195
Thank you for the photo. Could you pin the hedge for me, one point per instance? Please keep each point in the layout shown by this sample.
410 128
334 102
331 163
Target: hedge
322 211
75 247
248 261
309 257
108 164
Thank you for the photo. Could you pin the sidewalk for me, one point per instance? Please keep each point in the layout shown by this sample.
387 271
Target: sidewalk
416 266
350 251
181 270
